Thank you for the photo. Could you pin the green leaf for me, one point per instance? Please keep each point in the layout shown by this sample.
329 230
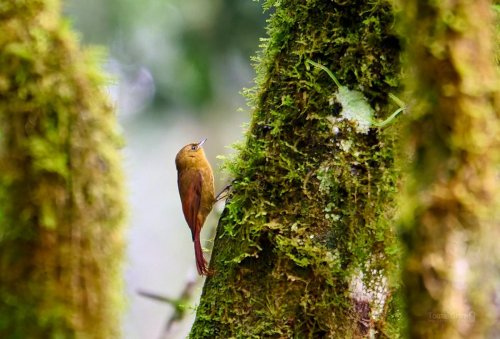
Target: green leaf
355 106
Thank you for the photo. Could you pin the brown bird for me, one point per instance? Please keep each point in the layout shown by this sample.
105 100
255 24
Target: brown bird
196 188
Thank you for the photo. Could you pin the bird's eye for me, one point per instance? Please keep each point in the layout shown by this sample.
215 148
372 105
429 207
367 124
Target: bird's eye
193 148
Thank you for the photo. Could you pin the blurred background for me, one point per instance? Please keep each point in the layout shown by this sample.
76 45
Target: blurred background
179 67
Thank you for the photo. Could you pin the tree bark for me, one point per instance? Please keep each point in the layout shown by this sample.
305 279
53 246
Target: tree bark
61 197
451 214
305 246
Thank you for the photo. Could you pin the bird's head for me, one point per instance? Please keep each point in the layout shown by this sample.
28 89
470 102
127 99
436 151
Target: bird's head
190 155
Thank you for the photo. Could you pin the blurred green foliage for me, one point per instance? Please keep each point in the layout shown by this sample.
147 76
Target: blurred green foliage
192 48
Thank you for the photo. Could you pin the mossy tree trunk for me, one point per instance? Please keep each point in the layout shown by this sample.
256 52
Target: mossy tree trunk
451 218
61 198
305 246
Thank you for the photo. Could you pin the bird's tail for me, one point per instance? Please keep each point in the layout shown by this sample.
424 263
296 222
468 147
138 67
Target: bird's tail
201 263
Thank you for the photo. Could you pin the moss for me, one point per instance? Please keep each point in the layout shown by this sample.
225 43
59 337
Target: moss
450 211
313 200
61 196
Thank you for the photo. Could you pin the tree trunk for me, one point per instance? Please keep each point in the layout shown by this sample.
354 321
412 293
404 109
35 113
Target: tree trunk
61 197
305 246
451 217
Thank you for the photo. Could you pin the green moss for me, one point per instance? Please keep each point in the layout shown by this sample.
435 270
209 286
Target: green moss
61 196
313 200
451 202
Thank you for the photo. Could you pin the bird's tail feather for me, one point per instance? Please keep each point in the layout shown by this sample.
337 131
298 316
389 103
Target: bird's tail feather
201 263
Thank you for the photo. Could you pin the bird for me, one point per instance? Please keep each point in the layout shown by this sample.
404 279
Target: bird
195 180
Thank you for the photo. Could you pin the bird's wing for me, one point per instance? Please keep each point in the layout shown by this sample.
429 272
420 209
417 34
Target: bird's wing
190 191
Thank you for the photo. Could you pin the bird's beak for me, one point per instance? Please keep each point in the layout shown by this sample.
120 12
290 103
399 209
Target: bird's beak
201 143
